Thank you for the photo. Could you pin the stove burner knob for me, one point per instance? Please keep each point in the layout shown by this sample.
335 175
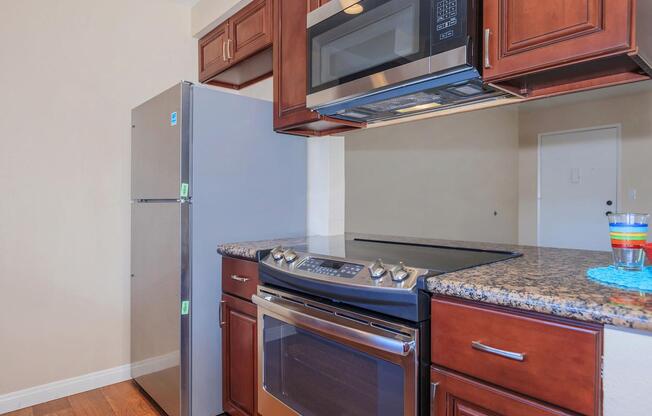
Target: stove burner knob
377 269
399 273
277 253
289 255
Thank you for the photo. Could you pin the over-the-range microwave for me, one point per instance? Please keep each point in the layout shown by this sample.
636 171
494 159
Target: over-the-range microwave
373 60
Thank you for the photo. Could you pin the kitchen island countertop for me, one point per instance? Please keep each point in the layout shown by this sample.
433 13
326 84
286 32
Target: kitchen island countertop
547 280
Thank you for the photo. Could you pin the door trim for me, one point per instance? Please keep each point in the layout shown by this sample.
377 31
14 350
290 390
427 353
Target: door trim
540 136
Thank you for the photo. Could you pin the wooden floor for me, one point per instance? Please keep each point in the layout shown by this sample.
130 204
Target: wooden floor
122 399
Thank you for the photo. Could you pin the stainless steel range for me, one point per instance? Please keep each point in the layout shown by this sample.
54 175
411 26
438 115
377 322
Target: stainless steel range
343 325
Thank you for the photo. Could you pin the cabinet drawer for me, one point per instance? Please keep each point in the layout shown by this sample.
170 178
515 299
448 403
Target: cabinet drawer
553 361
456 395
239 277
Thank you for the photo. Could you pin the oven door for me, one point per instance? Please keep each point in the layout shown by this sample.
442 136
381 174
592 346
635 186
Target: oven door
357 46
316 360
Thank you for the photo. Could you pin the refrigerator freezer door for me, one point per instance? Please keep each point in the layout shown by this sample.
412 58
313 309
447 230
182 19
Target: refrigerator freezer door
159 261
160 145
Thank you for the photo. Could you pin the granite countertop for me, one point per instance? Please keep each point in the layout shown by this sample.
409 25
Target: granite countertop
547 280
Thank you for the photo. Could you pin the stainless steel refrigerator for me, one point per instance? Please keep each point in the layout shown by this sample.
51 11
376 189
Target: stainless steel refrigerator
206 168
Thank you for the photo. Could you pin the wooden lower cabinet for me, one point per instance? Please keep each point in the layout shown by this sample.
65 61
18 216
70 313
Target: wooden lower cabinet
456 395
239 356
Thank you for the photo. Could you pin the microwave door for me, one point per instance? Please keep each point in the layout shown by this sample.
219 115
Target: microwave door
354 51
316 363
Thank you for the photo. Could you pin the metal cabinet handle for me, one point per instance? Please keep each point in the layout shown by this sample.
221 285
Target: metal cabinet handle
222 322
239 279
433 399
477 345
487 60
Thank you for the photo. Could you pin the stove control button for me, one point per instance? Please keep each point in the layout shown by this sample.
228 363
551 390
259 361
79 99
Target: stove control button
377 269
289 255
399 273
277 253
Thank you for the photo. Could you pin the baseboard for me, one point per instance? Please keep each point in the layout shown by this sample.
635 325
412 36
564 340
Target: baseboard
62 388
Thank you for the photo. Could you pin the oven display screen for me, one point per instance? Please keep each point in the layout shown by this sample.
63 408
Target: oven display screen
330 264
330 267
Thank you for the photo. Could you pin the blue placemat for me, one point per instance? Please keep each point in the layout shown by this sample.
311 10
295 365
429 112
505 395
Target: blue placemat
640 281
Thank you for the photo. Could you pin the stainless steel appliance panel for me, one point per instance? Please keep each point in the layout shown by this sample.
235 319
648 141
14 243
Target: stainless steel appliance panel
159 145
366 43
318 360
157 259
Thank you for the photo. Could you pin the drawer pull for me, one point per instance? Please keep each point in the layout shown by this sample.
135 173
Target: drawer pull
239 279
433 399
477 345
487 36
222 322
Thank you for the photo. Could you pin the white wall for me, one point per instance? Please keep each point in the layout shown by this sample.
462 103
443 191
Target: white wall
627 369
439 178
70 72
326 186
629 106
208 14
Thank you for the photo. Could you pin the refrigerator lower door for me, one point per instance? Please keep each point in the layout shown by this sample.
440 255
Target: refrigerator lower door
160 343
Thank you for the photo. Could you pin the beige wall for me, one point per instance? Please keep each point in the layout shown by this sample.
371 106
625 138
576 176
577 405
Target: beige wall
630 106
440 178
208 14
70 72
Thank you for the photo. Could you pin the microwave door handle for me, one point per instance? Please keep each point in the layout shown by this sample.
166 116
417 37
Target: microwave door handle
368 339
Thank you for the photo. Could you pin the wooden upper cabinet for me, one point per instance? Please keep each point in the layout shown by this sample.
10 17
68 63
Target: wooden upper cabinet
291 72
313 4
545 47
250 30
238 53
213 57
529 35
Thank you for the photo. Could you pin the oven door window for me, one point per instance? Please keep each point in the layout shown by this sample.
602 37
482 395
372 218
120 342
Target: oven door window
377 35
316 376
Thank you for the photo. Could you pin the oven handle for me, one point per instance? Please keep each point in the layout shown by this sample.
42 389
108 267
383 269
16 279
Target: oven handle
368 339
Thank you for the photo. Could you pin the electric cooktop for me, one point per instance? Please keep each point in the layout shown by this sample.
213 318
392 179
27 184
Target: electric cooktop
382 276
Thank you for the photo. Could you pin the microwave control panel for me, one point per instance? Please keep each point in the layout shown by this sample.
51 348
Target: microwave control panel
449 23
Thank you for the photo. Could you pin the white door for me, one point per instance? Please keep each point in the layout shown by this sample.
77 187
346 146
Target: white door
578 185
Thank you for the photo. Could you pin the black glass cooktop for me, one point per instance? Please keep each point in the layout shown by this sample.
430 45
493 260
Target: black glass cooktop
436 258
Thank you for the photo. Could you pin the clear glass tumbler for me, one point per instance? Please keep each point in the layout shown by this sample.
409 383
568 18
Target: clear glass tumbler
628 238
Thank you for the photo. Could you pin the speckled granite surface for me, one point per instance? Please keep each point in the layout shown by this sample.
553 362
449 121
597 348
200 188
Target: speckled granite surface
547 280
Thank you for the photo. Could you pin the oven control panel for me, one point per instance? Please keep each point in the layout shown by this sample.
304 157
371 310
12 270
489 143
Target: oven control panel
330 267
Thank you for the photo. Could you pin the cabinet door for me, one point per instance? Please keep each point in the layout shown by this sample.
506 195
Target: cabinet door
250 30
313 4
238 356
213 56
525 36
454 395
290 64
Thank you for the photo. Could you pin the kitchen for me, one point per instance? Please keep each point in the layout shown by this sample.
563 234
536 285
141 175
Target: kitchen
410 174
